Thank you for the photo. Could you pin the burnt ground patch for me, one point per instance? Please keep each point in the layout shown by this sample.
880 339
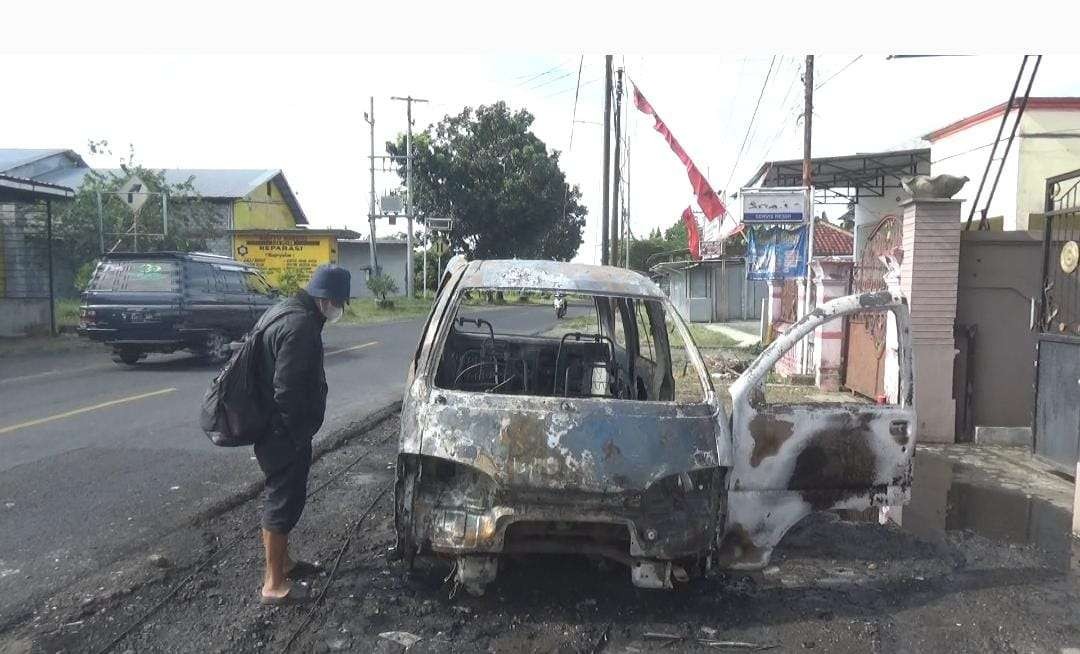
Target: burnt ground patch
835 586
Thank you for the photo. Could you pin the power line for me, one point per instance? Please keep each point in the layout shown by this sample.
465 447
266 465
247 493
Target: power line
575 88
833 76
752 118
549 81
539 75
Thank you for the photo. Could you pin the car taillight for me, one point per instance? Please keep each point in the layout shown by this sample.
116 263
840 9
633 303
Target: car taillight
87 316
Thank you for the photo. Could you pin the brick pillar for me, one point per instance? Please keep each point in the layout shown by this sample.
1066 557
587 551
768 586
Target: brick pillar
831 279
928 277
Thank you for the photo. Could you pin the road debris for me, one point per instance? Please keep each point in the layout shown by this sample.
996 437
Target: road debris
709 642
403 638
159 561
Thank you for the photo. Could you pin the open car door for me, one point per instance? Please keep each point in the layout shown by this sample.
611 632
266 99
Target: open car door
792 459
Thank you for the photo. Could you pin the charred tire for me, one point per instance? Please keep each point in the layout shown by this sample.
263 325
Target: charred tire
127 357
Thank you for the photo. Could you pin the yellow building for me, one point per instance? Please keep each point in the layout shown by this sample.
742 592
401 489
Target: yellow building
277 251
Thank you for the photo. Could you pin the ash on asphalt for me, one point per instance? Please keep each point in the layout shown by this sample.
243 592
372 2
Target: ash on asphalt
835 586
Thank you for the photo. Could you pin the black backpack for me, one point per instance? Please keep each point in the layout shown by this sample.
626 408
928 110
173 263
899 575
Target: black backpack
234 413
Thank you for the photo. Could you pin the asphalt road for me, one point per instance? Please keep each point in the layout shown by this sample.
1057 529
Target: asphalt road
98 460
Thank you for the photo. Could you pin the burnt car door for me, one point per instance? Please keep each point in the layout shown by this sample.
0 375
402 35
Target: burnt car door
791 459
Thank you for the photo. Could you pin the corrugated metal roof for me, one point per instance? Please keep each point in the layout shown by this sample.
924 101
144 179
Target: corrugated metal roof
24 189
558 275
208 182
15 157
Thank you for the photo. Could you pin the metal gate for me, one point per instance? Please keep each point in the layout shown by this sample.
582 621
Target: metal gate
26 285
864 367
1057 379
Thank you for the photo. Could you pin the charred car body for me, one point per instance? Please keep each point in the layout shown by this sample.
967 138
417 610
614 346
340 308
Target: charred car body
610 440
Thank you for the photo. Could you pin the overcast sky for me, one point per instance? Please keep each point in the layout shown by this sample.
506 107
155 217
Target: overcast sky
200 102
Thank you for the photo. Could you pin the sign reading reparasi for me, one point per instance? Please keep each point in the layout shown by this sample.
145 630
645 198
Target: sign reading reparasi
773 205
276 253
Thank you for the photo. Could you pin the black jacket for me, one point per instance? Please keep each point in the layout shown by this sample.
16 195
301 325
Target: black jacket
291 375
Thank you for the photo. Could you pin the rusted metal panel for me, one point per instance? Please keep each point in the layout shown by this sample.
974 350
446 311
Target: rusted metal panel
598 446
790 460
558 275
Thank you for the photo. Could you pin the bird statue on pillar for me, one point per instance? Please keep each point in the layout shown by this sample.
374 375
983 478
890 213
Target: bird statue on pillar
937 187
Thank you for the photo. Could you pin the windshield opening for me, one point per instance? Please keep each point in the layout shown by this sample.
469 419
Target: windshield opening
604 346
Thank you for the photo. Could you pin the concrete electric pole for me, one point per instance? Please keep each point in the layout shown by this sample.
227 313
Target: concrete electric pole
808 181
616 233
369 118
408 100
606 210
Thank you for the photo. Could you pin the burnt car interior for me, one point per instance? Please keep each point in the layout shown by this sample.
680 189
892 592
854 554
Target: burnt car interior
613 347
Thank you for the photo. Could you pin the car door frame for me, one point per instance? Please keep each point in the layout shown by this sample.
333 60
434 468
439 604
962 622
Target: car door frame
793 459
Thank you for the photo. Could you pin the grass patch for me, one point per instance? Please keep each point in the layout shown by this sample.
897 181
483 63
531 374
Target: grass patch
707 338
364 311
67 312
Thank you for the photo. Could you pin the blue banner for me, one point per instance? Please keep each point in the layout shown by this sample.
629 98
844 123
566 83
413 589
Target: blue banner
775 253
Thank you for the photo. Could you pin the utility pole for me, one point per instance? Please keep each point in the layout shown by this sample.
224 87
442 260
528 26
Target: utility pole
408 100
808 181
370 119
615 232
606 210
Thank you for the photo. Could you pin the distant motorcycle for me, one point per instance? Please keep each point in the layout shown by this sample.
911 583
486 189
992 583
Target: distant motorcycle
560 306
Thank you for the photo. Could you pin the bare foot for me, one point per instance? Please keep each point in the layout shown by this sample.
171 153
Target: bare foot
271 592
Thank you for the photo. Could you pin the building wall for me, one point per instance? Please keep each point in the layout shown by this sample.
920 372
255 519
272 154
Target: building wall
677 294
999 275
356 257
1044 156
965 153
263 208
868 213
1035 156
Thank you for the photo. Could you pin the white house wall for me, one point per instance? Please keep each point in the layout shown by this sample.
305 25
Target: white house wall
1044 157
868 212
964 153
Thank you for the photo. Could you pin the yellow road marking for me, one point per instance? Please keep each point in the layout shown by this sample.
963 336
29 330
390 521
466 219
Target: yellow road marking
350 349
85 409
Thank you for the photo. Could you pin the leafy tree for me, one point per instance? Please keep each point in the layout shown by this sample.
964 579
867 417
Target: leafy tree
498 181
77 242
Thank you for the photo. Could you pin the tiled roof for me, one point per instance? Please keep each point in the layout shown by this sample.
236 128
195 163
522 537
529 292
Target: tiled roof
831 241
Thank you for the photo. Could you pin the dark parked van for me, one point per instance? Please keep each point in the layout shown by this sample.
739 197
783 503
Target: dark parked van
142 302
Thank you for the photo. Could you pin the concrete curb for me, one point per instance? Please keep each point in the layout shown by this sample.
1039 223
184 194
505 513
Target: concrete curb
323 446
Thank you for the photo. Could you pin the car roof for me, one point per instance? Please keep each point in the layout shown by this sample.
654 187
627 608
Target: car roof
510 274
203 257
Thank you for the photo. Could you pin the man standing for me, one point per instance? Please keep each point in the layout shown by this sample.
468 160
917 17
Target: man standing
293 382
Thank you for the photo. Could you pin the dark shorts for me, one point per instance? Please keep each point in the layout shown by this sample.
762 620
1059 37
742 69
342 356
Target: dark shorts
286 469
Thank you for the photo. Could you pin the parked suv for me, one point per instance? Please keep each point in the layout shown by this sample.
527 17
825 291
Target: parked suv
142 302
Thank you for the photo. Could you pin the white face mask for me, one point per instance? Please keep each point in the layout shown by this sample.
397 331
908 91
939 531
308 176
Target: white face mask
330 311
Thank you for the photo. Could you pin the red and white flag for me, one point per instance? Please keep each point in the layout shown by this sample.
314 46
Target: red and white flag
693 234
710 203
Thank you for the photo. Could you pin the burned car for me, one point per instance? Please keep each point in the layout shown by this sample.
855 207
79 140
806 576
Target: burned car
601 434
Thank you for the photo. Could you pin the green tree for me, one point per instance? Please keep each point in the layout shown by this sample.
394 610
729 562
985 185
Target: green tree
498 181
192 221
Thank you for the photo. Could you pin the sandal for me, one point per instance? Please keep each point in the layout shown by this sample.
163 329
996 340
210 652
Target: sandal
297 593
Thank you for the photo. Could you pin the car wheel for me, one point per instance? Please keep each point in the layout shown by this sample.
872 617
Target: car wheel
127 357
216 349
